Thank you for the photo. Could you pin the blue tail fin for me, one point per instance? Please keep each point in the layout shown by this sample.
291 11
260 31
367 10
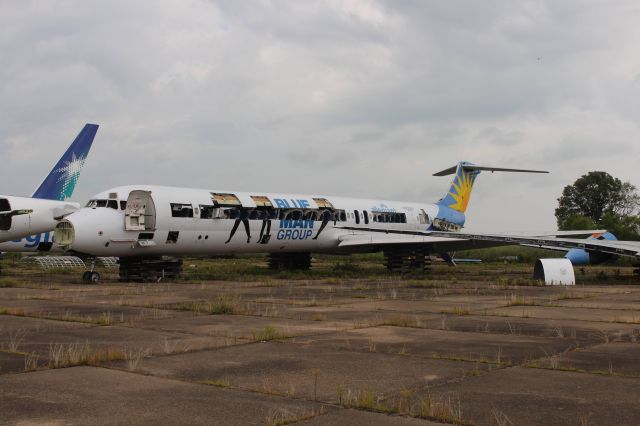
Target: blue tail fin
61 181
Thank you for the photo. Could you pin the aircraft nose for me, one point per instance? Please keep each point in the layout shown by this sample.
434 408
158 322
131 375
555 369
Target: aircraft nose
87 231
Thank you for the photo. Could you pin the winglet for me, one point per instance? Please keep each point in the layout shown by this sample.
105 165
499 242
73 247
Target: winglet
61 181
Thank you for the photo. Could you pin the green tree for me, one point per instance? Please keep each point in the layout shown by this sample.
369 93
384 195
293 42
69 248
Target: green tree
595 194
578 222
598 200
623 227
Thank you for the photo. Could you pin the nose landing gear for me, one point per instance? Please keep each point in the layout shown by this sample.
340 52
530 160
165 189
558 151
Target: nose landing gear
92 276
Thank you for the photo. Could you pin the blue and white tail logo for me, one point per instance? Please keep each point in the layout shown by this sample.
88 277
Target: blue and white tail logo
61 182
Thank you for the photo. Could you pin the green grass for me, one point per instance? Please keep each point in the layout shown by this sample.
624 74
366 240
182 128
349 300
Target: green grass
267 333
217 383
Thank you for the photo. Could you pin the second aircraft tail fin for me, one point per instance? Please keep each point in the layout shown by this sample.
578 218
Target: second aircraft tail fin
61 181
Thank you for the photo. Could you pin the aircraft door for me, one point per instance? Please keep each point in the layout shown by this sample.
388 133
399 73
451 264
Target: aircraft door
423 218
140 213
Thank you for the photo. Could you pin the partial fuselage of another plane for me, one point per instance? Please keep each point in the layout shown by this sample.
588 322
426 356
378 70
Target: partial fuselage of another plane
25 222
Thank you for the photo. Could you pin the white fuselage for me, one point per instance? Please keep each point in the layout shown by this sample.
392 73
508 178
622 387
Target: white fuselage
23 217
182 221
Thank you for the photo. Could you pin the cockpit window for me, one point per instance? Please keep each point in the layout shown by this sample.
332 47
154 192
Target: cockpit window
112 204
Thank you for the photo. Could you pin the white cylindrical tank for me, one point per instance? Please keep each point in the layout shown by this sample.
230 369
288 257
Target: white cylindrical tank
554 271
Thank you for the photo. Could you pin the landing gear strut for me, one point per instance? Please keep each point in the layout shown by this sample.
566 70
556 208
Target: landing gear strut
92 276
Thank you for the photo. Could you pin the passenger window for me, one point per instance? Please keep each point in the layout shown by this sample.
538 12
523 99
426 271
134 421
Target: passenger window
181 210
206 212
357 216
172 237
145 236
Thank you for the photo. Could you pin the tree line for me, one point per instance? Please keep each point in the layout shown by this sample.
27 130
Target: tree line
598 200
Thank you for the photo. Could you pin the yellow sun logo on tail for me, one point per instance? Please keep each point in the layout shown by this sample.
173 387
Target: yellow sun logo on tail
461 191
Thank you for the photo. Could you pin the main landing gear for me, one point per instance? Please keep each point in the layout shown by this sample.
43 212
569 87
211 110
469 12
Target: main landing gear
407 260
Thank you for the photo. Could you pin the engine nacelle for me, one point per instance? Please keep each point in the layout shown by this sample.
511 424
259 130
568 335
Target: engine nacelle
554 271
583 257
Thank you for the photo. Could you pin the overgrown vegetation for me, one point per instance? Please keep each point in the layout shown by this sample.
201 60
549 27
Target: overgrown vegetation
406 402
265 334
222 304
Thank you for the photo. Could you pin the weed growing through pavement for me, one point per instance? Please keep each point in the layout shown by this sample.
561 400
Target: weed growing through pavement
267 333
31 362
283 417
63 355
134 358
407 402
217 383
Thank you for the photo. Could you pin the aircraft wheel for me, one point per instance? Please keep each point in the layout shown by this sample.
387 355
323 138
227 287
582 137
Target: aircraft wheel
94 277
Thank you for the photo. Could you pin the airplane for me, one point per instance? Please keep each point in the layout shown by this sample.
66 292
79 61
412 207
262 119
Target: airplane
142 223
26 223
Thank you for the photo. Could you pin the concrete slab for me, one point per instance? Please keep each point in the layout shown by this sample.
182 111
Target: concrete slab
11 362
583 331
565 313
544 397
109 337
311 370
240 326
483 347
610 358
87 395
85 311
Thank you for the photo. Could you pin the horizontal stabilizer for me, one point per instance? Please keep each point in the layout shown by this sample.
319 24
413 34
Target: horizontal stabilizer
470 167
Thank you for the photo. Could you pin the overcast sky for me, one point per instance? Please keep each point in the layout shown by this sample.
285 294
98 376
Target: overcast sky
358 98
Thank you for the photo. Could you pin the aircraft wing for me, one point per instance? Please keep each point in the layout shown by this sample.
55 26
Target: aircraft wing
436 244
440 241
617 247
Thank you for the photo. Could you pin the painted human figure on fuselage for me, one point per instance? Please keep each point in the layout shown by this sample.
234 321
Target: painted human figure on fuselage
266 215
241 215
325 216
